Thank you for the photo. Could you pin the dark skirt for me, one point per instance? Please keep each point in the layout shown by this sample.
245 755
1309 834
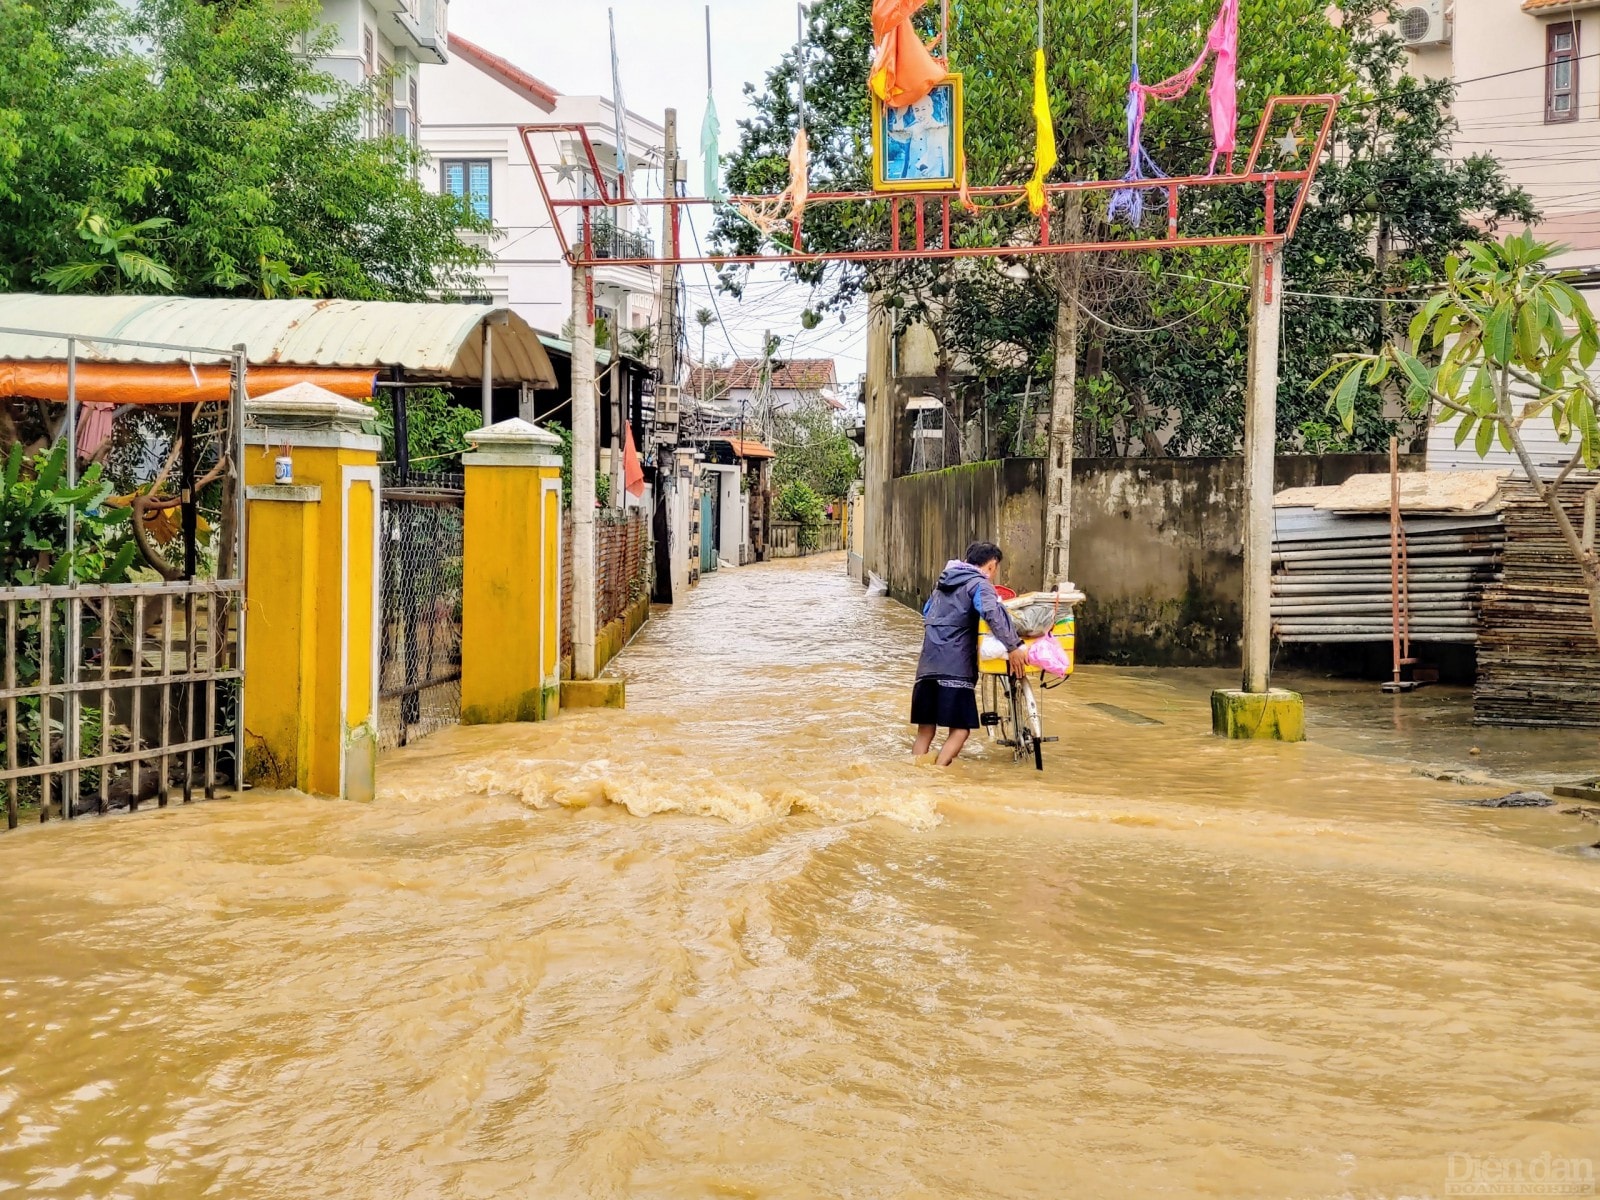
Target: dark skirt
949 707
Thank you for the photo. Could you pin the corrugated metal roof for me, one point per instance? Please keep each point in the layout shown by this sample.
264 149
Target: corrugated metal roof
442 341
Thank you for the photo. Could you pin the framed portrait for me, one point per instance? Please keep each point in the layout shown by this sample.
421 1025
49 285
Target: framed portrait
919 148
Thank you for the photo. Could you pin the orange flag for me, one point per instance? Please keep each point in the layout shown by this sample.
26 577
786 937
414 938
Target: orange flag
632 469
904 71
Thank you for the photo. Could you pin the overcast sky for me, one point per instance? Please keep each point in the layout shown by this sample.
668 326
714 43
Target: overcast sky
661 44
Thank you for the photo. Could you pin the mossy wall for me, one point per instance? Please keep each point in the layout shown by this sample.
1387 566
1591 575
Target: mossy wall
1157 544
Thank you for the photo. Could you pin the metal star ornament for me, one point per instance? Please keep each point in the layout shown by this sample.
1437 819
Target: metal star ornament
565 171
1288 145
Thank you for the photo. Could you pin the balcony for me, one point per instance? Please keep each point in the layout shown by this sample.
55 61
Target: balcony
426 25
611 241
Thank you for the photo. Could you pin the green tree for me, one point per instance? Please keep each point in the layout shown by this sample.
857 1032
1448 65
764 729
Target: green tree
798 502
1499 327
436 427
812 448
178 145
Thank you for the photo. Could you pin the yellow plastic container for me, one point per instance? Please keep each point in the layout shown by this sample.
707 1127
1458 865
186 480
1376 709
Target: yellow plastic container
1066 632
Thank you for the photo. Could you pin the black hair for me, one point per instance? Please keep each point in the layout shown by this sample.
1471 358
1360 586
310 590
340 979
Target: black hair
981 554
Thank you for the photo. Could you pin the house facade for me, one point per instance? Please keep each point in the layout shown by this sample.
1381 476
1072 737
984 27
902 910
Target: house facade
1527 75
477 101
740 386
383 37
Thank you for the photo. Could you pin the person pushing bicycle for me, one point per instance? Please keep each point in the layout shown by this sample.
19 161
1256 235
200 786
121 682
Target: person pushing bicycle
947 673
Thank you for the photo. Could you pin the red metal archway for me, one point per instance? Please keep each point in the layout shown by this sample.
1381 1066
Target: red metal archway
927 225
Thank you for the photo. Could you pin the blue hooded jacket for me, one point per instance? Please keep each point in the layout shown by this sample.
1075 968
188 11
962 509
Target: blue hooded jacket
950 617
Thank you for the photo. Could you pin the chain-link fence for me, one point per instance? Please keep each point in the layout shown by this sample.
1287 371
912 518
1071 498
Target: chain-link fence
420 679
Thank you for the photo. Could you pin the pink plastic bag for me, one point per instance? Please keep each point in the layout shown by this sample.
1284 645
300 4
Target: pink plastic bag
1046 654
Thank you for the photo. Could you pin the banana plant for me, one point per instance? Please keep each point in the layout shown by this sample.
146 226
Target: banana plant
35 500
1503 342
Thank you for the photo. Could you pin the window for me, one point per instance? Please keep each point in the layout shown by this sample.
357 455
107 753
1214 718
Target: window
416 113
369 53
468 178
1561 72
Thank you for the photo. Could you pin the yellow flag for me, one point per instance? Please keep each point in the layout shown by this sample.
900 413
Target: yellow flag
1045 157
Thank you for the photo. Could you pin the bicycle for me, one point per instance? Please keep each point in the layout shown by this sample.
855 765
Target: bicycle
1010 709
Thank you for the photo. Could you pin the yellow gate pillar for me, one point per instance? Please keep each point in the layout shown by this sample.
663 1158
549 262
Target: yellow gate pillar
511 578
311 590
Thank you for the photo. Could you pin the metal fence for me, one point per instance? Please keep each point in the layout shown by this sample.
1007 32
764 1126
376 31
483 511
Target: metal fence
118 693
420 679
122 654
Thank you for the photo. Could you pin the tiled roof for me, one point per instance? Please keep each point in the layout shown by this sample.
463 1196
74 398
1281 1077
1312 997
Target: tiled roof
1556 5
508 73
789 375
747 448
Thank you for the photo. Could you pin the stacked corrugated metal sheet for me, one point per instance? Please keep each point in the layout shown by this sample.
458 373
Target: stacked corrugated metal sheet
1332 580
1538 663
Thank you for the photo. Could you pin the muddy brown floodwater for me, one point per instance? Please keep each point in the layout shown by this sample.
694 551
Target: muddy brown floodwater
731 943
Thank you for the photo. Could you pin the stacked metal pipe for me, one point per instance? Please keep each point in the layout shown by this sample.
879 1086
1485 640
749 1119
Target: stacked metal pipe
1333 579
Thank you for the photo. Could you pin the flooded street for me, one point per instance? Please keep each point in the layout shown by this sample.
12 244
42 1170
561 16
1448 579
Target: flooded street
732 943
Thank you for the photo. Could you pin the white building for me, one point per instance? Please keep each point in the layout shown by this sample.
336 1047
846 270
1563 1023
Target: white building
1528 92
476 103
376 37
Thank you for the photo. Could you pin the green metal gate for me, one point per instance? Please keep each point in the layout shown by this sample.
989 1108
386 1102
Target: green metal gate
708 532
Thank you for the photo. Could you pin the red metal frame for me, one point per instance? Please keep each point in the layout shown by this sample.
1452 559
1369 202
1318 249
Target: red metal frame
950 205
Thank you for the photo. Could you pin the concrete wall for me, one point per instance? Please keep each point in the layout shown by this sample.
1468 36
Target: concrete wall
1156 543
932 517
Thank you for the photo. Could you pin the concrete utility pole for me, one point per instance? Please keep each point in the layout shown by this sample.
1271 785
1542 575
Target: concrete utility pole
669 274
619 417
1257 711
1058 454
1058 446
584 411
1260 449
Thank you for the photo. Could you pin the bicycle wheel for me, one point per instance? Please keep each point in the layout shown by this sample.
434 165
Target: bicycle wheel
1035 734
1022 739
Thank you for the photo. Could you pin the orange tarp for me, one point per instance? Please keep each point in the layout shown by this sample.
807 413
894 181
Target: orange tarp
904 71
167 383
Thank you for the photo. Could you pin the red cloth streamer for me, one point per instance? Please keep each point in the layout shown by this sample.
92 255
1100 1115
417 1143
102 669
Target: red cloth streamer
1223 41
632 469
903 72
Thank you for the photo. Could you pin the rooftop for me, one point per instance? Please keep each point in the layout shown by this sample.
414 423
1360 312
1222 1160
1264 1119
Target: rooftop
506 71
744 374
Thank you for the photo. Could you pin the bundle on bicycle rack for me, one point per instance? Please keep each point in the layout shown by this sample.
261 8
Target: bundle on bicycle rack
1009 707
1035 615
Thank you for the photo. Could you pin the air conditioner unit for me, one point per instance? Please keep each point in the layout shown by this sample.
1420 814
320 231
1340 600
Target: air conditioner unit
1424 23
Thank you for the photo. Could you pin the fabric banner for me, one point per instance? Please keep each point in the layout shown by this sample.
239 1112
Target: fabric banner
903 71
632 469
711 149
1045 155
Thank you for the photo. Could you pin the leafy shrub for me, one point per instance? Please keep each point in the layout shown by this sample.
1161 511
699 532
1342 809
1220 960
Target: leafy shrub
34 503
